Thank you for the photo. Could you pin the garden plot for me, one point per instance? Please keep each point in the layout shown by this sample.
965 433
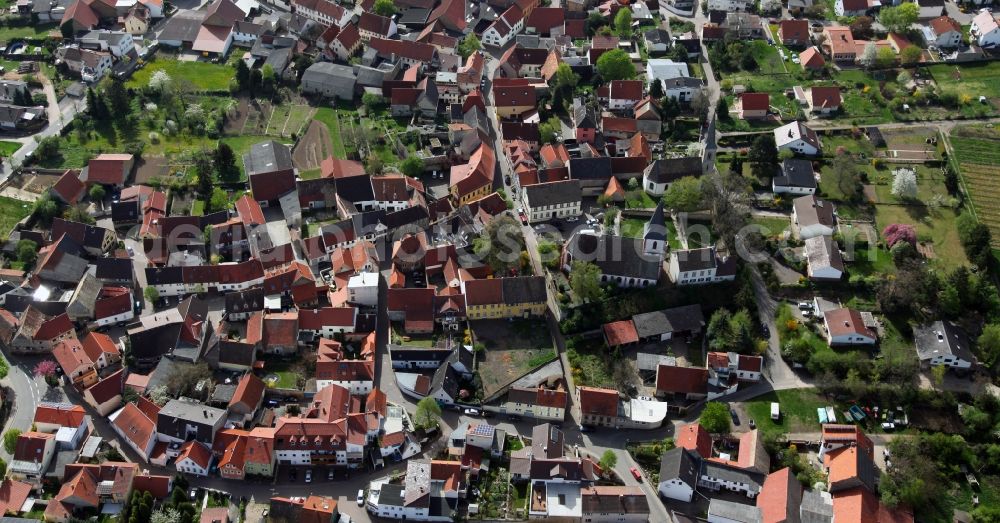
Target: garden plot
977 150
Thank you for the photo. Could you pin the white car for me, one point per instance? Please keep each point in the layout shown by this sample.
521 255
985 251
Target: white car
471 412
309 476
361 497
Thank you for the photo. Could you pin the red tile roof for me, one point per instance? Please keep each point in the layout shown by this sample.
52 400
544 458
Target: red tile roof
844 321
96 343
598 402
54 327
71 356
410 50
31 446
943 24
249 392
684 380
483 292
625 90
780 497
620 333
336 168
544 19
811 58
755 101
861 506
374 23
794 30
250 212
694 437
316 319
106 389
511 94
59 414
109 169
13 494
157 486
197 452
825 97
135 426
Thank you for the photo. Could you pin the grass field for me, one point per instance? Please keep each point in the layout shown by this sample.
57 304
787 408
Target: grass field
202 75
936 226
29 31
977 150
11 212
974 80
288 119
329 117
798 411
8 148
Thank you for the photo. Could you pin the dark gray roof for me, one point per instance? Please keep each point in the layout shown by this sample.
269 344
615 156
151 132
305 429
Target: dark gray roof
679 463
403 353
526 289
391 495
191 412
590 168
250 300
615 255
447 379
817 507
355 189
655 228
657 36
267 157
941 339
668 170
554 193
682 82
732 511
414 214
729 473
796 173
114 269
182 27
685 318
125 212
696 259
415 16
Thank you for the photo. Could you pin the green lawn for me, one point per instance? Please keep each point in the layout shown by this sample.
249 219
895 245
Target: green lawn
11 212
8 148
773 225
28 31
328 117
202 75
632 227
798 411
936 226
198 208
310 174
638 199
868 262
975 80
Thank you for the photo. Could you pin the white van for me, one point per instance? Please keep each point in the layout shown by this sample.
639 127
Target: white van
775 411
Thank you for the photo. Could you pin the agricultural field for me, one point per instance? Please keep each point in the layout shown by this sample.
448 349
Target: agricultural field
203 76
287 119
977 151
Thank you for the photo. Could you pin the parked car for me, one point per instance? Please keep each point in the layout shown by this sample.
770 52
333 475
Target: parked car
329 475
736 417
765 330
309 476
635 472
361 497
805 305
472 412
753 424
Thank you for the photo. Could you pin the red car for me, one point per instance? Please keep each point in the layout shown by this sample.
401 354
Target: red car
635 472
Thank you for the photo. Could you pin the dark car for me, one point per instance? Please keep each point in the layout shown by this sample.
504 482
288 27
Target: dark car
736 418
765 330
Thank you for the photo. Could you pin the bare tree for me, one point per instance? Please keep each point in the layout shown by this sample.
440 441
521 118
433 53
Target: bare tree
729 198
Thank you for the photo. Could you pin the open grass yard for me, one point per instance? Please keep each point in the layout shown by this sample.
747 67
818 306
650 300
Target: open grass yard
11 212
930 183
798 411
27 31
632 227
8 148
511 350
869 261
767 57
989 493
936 226
204 76
638 199
331 118
771 224
974 80
977 151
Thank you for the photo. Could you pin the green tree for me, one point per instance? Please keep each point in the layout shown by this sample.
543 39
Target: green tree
469 44
563 82
203 170
97 192
910 55
656 89
975 238
219 201
763 156
45 208
623 22
412 166
500 245
585 280
885 57
242 75
549 129
844 174
118 99
384 8
3 468
428 414
608 461
988 346
684 195
715 418
615 65
722 109
151 294
595 21
372 101
899 18
268 79
224 161
10 440
27 253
